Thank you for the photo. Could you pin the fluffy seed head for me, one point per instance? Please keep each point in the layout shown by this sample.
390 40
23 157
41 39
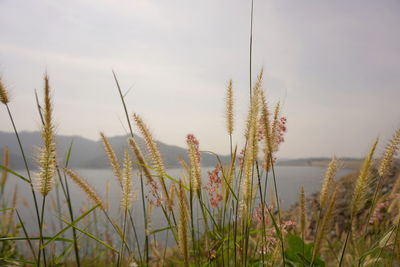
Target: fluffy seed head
112 158
183 225
327 184
127 194
3 93
251 144
390 151
194 156
140 158
266 128
324 225
360 189
85 187
154 152
275 127
47 153
302 206
229 108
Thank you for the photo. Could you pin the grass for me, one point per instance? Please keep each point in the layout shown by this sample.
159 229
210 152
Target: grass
226 221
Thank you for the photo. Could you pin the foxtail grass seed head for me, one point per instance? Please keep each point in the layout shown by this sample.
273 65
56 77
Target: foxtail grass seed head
324 225
85 187
266 131
183 242
172 196
328 181
154 152
4 97
112 158
47 153
140 158
390 152
302 206
275 128
360 189
194 156
127 194
251 145
229 108
155 194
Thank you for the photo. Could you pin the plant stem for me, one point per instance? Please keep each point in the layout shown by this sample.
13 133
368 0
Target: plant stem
41 234
26 166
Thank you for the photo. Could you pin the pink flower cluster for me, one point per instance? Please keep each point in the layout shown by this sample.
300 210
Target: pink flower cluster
241 157
191 140
156 199
281 130
260 211
278 135
214 185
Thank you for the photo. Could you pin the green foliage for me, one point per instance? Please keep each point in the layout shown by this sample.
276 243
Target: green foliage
299 253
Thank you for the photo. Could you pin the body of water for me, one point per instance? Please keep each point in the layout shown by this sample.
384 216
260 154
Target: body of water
289 179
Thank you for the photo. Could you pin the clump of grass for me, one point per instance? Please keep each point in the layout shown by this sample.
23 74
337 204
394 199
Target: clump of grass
227 222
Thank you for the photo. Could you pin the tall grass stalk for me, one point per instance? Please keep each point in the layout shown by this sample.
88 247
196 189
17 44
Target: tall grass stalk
5 100
146 246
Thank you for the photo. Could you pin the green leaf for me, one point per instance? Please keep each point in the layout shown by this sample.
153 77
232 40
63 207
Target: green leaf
91 236
299 254
69 226
18 260
160 230
6 209
69 153
16 174
35 238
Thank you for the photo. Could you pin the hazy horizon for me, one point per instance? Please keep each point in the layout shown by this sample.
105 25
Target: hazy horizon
335 67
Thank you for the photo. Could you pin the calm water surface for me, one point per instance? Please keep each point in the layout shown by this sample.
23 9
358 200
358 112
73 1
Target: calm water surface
289 179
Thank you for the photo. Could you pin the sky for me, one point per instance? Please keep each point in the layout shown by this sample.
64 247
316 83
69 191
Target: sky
334 65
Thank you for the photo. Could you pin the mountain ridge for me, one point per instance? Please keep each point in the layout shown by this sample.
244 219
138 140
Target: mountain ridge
87 153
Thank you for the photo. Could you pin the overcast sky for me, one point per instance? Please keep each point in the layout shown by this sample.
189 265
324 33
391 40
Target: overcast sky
334 64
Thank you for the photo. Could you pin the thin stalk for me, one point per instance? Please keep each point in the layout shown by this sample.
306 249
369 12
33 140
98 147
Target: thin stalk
237 209
41 234
116 230
279 210
146 242
251 47
71 214
264 237
65 190
141 178
191 220
121 250
136 236
27 236
26 165
344 247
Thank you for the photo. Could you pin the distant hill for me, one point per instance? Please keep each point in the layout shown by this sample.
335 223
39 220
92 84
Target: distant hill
345 162
87 153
